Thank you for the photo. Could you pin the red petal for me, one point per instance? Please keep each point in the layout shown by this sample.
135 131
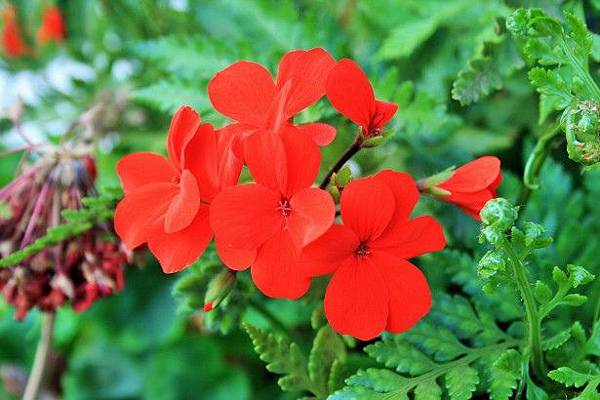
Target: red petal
312 214
201 161
184 206
324 255
303 158
276 271
410 297
384 111
245 216
356 300
243 92
471 203
405 191
265 156
305 72
230 161
235 258
141 210
321 134
183 127
139 169
367 207
412 238
474 176
176 251
349 91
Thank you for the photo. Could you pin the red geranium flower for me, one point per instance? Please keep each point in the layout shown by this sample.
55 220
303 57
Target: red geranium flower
246 93
373 286
11 34
53 26
349 91
265 225
470 186
166 200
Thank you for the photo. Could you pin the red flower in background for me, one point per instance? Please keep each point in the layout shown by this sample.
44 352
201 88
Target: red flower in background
167 200
13 44
470 186
53 26
373 287
265 225
246 93
349 91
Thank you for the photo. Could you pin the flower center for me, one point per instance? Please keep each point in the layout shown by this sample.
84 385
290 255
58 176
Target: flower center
362 250
284 207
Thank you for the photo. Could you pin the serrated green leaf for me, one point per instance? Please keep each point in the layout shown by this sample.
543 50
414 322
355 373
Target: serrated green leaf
327 348
569 377
504 374
282 357
428 391
461 382
401 355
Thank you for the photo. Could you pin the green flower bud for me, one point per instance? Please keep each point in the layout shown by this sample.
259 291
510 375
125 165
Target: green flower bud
218 288
343 177
334 192
373 142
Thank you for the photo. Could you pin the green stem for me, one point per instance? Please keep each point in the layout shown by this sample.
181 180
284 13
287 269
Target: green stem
40 363
535 162
274 321
347 155
531 312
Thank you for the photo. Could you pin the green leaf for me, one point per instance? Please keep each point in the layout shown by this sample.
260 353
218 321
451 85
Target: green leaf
428 391
461 382
438 342
327 348
579 275
554 90
486 71
504 375
168 96
380 380
404 39
569 377
398 354
282 357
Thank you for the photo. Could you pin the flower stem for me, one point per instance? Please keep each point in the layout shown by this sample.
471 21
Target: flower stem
347 155
531 312
38 371
535 162
273 320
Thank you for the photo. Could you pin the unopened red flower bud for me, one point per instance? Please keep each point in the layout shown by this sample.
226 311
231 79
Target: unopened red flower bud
12 41
469 186
53 26
218 288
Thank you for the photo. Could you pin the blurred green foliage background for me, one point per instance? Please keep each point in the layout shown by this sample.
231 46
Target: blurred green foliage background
142 59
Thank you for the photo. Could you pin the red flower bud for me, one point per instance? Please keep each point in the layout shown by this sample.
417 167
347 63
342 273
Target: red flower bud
53 26
469 186
12 42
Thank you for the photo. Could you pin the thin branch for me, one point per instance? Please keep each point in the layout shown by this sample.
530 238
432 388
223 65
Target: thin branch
347 155
38 371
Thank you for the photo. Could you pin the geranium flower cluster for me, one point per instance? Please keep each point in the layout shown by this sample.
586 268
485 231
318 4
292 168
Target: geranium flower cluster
282 226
